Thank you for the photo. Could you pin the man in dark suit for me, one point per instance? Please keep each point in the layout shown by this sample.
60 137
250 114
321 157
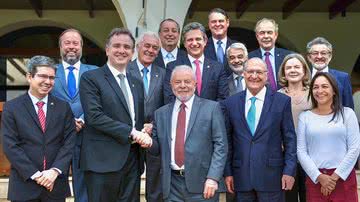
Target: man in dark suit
190 136
210 74
266 34
169 33
262 142
237 55
319 54
66 88
218 21
152 76
113 103
38 138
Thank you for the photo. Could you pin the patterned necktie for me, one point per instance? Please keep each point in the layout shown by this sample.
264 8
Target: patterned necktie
271 76
145 80
124 89
198 76
180 136
71 82
239 86
169 58
219 52
251 116
42 120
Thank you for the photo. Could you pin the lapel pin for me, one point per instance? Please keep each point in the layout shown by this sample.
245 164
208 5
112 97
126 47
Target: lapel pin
133 85
51 103
208 66
156 75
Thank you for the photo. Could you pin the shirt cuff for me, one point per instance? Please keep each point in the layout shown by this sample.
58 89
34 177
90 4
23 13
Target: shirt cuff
36 175
57 170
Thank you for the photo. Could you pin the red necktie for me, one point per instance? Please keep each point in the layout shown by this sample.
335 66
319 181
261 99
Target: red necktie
180 136
42 119
198 76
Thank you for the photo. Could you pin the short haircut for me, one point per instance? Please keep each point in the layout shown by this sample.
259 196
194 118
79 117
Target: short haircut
318 41
120 31
147 33
255 59
183 68
219 10
276 26
38 61
70 30
169 20
307 74
194 26
237 45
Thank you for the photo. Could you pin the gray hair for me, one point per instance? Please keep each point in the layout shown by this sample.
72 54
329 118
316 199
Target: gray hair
237 45
38 61
318 41
147 33
169 20
194 26
183 68
276 26
255 59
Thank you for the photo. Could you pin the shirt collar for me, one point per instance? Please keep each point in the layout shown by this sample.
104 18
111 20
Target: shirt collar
173 52
314 71
115 72
272 52
224 41
188 103
35 99
141 67
76 65
201 59
235 76
259 96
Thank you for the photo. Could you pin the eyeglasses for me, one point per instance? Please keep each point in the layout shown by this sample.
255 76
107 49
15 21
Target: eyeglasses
256 72
323 53
45 77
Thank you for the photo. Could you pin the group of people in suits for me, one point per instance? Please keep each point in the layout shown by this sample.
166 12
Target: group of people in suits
205 120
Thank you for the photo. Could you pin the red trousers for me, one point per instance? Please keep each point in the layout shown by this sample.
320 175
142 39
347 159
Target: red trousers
345 191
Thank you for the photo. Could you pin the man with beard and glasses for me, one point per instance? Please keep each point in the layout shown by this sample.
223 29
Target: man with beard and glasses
218 21
237 54
319 54
169 33
66 88
266 34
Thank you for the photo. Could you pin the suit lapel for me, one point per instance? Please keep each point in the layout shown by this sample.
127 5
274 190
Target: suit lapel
264 112
31 109
232 88
194 111
278 60
134 94
50 111
168 123
154 80
83 68
242 112
205 74
61 74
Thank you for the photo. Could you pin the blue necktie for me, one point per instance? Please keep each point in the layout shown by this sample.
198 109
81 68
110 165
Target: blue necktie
251 116
220 52
71 82
145 80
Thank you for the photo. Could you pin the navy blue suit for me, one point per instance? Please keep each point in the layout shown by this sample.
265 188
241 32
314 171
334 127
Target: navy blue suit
344 84
258 162
210 52
159 61
214 80
280 54
60 90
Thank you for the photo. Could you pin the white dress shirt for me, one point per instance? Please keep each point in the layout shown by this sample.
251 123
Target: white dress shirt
76 71
272 60
164 54
201 60
259 103
314 71
116 73
174 117
141 67
223 45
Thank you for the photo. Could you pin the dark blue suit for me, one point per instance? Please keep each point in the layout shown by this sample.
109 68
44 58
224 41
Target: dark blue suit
344 84
214 80
60 90
280 54
210 52
159 61
258 162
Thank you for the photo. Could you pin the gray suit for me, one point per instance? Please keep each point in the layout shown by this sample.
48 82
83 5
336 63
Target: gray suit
153 101
205 146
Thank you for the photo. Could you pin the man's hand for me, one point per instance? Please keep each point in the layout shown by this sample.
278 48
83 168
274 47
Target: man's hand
143 139
287 182
79 124
47 178
327 182
147 128
229 181
209 189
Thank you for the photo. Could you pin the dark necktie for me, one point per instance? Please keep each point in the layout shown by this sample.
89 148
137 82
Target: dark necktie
271 75
180 136
219 52
42 120
71 82
124 89
239 86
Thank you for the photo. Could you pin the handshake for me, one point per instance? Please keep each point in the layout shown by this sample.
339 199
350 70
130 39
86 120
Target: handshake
143 137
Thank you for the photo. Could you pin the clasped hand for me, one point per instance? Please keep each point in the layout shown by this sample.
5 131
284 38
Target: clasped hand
47 179
328 183
142 138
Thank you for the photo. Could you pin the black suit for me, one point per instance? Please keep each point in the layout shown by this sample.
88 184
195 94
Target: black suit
107 155
25 145
159 60
153 101
210 52
214 80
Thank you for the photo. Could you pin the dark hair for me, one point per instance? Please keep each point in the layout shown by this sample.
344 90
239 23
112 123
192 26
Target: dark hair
120 31
336 105
70 30
37 61
169 20
219 10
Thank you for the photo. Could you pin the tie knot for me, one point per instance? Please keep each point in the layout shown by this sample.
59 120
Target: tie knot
267 53
253 99
145 70
239 78
196 62
121 76
219 42
40 104
71 68
183 105
169 56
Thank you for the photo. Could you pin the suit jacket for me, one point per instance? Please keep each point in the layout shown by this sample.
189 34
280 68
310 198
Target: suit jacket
106 142
232 87
258 162
60 90
205 144
280 54
155 98
210 52
25 145
214 80
159 60
344 84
